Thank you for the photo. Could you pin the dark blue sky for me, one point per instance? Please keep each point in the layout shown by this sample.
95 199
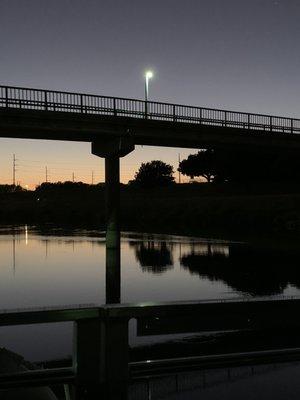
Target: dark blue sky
241 55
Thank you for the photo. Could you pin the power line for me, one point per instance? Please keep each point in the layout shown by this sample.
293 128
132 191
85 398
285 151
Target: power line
53 162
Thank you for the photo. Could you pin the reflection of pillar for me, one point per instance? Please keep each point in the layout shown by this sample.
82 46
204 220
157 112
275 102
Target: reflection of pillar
46 249
14 253
113 275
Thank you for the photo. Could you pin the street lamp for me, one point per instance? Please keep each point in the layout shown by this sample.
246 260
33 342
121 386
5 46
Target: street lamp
148 75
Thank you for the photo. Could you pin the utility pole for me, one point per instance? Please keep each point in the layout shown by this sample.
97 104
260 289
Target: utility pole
92 177
73 177
14 169
46 171
179 173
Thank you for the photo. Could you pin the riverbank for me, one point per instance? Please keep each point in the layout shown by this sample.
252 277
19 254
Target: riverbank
197 210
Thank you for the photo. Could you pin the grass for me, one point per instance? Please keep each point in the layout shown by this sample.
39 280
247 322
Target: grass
224 210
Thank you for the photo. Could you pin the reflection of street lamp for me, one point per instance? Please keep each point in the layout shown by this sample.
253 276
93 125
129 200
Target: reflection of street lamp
148 75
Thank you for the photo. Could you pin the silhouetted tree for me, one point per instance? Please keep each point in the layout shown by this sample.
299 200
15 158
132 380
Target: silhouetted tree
154 173
201 164
241 165
11 189
153 257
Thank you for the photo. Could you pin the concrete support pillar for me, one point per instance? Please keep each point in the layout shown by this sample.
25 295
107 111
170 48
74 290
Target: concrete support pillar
101 357
88 353
112 200
112 150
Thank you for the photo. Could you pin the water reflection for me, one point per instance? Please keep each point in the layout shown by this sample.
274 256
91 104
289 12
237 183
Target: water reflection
153 256
113 276
40 268
257 272
54 268
244 268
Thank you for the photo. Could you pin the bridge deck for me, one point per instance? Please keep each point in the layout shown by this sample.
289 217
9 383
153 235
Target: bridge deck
45 114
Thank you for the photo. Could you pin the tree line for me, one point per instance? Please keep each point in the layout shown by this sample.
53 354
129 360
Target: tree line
215 165
224 165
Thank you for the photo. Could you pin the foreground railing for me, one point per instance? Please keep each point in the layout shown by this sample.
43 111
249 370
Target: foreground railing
101 345
49 100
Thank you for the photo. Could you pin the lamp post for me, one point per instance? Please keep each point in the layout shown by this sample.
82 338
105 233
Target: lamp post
148 75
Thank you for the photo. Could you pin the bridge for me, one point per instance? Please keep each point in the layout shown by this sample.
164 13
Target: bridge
46 114
115 125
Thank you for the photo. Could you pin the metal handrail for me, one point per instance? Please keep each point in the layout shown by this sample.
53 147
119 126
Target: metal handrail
52 100
105 328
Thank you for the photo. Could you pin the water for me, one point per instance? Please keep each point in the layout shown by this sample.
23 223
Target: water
54 268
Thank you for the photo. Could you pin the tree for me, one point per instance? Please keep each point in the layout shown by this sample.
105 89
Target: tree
154 173
200 164
243 164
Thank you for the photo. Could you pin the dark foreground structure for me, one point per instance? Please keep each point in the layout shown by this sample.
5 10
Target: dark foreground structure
101 358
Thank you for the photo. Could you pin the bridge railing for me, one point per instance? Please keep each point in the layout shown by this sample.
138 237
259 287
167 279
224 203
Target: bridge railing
49 100
101 341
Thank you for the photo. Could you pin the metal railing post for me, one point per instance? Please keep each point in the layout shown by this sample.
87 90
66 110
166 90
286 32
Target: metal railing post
146 109
174 113
46 100
225 118
81 103
292 125
271 124
6 97
115 108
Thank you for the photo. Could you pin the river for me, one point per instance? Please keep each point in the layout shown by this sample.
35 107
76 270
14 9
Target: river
55 267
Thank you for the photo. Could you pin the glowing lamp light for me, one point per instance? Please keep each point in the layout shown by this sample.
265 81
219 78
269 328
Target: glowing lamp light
148 75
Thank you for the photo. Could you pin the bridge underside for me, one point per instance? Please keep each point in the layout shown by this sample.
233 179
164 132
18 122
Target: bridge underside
27 124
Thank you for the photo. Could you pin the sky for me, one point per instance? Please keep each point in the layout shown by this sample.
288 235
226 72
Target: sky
242 55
